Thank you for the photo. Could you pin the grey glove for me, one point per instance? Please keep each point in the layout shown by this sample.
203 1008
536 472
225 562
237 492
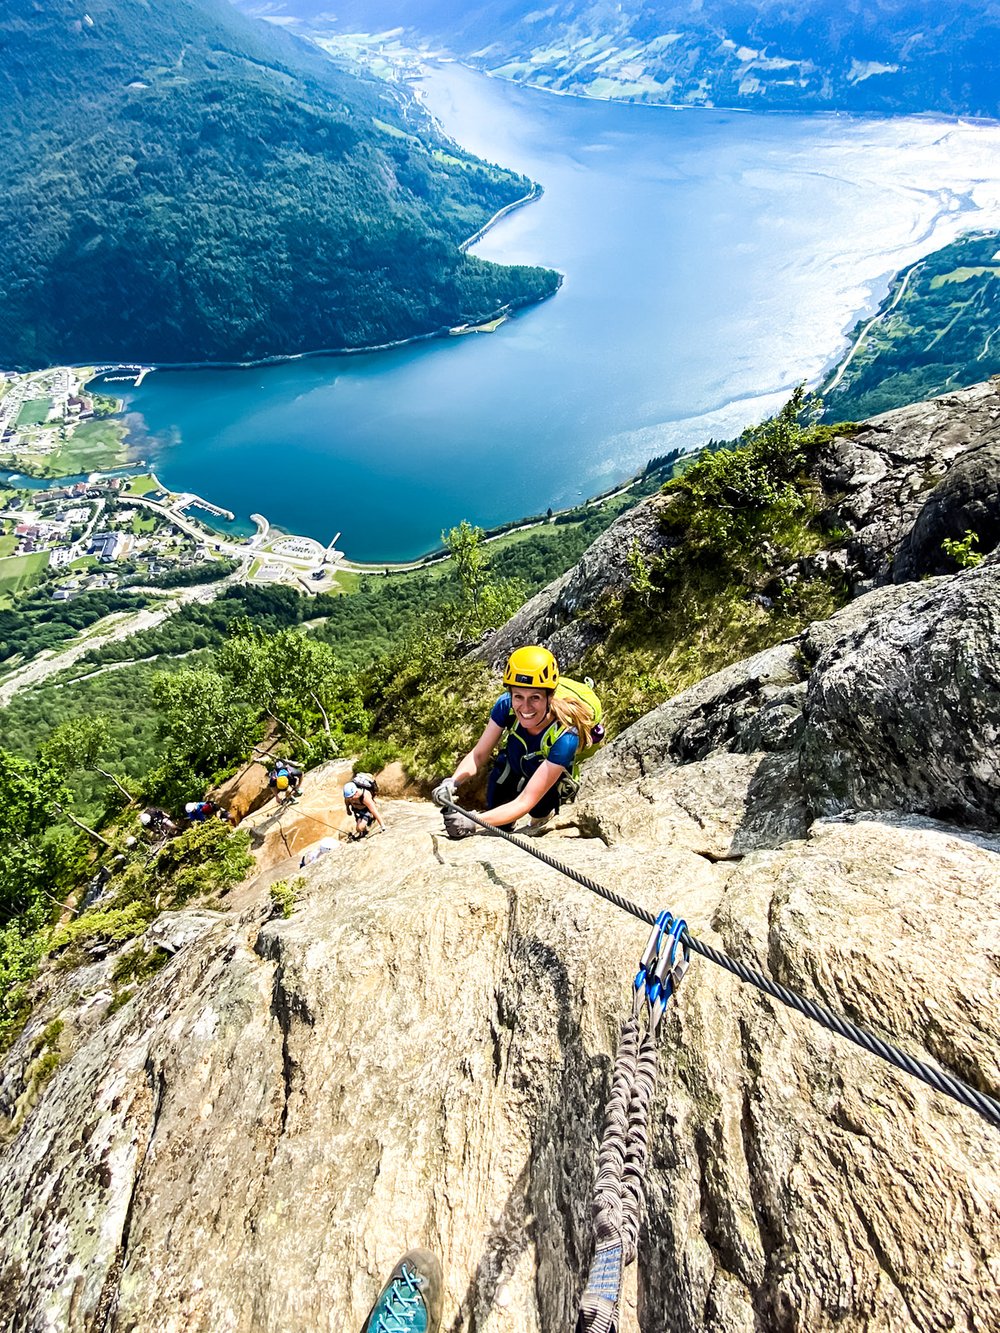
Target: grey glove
444 791
457 825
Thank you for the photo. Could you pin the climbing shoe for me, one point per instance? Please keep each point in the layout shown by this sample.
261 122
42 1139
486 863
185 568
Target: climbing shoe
410 1302
536 826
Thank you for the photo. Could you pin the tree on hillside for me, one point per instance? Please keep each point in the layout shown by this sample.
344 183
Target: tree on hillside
206 724
295 680
733 508
486 600
80 743
465 546
31 795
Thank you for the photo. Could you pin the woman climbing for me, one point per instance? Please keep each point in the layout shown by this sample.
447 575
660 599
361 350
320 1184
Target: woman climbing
540 734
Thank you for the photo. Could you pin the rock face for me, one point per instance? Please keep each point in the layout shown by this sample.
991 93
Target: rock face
966 500
923 467
904 712
420 1054
893 704
567 615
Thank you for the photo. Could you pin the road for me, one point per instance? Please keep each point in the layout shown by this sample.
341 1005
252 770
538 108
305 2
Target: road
863 334
51 661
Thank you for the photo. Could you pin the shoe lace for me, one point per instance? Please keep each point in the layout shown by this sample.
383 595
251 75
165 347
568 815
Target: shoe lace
404 1304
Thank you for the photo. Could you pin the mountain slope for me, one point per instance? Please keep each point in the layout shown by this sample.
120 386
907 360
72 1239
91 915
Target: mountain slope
181 183
897 55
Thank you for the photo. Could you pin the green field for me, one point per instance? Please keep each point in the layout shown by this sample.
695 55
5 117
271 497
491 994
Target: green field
144 485
345 581
8 545
936 331
18 572
94 446
34 412
143 523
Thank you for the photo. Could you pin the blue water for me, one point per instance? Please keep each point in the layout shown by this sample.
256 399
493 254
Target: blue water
711 260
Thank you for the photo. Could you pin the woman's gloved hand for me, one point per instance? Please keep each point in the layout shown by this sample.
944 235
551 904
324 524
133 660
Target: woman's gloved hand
444 791
458 825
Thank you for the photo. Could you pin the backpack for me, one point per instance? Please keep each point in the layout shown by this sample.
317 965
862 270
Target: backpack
365 782
585 693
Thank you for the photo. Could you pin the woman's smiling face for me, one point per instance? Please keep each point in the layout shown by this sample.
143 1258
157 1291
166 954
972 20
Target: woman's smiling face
531 707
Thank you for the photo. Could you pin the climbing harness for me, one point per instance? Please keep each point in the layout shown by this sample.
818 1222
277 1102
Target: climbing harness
621 1162
984 1105
583 693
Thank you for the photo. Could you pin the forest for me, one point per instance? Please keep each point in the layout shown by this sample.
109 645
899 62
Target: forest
184 184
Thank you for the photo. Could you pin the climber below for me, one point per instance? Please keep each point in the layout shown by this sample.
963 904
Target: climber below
286 780
157 822
538 735
196 812
359 802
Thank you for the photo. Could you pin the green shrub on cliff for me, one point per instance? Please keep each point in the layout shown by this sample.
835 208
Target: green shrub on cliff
735 522
204 861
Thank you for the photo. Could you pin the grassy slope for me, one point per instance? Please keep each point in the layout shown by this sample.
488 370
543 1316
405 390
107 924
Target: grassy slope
938 329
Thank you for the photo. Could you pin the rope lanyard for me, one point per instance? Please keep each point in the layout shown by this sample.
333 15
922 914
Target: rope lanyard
938 1079
624 1151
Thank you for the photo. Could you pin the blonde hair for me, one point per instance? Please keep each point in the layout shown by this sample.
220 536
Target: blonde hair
573 713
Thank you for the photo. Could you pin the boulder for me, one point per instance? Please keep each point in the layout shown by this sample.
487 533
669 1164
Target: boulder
966 500
395 783
701 719
879 481
243 793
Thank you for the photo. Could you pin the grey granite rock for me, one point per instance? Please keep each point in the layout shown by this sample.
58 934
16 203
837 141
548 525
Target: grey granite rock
421 1054
570 615
903 713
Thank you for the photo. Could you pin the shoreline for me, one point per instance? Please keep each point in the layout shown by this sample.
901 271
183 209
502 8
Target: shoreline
942 117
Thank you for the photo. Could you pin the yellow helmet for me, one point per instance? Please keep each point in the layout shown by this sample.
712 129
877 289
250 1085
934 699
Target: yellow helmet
531 666
281 782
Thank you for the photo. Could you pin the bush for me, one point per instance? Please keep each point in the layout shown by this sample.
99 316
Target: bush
284 894
205 860
21 947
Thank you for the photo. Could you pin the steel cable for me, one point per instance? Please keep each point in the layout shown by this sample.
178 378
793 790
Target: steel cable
984 1105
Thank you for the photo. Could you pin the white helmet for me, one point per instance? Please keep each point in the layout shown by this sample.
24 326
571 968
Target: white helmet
350 790
145 819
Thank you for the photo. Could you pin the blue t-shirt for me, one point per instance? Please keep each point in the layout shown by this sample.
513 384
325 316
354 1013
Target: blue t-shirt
523 753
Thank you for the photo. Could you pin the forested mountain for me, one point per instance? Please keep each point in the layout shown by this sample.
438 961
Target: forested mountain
890 55
183 183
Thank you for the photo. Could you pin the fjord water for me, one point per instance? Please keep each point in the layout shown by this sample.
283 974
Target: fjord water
712 260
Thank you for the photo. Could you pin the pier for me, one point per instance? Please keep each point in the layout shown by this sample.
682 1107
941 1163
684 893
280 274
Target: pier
189 501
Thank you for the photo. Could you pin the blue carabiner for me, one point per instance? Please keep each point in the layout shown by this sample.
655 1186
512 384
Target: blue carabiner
671 964
662 927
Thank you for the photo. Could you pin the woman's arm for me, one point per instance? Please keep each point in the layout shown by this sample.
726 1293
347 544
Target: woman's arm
542 780
480 752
